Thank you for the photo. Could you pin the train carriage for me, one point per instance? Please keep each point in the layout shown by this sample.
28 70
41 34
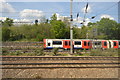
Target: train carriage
96 44
66 44
81 44
86 44
118 44
114 44
105 44
53 43
77 44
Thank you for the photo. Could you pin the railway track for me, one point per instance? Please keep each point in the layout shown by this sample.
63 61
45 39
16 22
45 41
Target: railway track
14 58
58 65
34 63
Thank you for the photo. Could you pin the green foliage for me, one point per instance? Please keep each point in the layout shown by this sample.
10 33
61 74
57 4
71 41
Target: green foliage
100 52
103 29
59 29
40 52
7 23
55 51
106 29
5 34
53 18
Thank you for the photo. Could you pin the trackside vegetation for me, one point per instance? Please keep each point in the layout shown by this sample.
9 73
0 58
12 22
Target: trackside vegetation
36 51
59 29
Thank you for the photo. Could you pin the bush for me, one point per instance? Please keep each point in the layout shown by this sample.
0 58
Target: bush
107 52
40 52
78 52
55 50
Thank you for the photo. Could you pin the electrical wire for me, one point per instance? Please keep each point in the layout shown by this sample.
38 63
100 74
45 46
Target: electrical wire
103 11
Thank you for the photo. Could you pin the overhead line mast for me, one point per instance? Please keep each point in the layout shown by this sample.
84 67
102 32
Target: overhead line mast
71 28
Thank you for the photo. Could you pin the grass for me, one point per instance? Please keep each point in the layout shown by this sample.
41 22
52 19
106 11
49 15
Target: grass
107 52
40 52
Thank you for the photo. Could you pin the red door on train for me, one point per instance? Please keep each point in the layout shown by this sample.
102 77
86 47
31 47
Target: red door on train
66 44
115 44
86 44
104 44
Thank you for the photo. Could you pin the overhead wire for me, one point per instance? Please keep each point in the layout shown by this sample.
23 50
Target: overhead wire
78 13
103 11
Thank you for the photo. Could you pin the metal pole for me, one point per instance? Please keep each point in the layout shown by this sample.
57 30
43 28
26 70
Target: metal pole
71 29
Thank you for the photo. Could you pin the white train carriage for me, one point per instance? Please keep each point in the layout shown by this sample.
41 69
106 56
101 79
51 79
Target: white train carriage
77 44
96 44
81 44
53 43
103 44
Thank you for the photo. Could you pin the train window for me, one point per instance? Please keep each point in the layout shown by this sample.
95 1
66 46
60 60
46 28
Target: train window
77 42
105 43
69 42
115 44
88 43
85 43
95 43
119 43
57 42
99 43
66 43
48 44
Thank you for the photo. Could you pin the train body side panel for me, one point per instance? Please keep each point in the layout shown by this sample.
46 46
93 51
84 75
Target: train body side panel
66 44
105 44
57 43
77 44
119 44
115 44
49 44
86 44
44 41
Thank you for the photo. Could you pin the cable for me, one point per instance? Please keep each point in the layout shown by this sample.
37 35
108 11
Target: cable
103 11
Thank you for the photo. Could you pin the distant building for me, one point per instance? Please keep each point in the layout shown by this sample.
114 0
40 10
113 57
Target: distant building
18 23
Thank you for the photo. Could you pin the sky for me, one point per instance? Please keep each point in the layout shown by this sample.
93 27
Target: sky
29 11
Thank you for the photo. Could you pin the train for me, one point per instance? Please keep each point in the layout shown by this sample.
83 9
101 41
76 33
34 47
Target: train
81 44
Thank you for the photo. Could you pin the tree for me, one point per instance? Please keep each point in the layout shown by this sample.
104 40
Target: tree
58 28
8 22
118 31
53 18
108 28
5 33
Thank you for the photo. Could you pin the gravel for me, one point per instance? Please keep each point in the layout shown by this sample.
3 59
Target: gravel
61 73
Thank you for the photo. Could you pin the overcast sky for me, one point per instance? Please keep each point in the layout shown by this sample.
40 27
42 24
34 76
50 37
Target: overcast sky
36 10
